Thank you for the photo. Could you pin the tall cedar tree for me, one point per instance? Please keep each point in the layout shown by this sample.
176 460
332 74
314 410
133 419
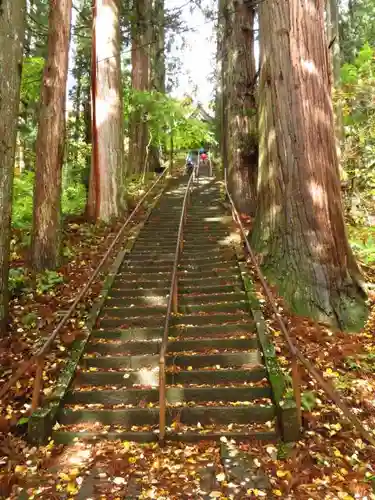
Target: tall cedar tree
240 125
299 228
108 172
46 237
138 131
12 27
157 65
333 34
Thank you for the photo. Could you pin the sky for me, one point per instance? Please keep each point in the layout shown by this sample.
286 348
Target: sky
198 55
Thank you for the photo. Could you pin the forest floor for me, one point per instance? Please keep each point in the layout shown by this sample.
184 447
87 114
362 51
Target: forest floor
330 461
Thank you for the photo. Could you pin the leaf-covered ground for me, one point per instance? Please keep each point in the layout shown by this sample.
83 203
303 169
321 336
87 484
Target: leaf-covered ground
38 304
330 461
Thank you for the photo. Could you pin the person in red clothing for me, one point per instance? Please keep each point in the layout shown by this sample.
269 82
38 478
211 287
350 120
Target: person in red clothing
204 157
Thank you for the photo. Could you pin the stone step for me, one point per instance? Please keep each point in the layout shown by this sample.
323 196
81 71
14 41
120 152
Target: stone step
226 359
183 275
150 378
144 333
66 437
147 347
159 321
174 395
121 289
115 307
208 264
184 284
208 298
154 267
219 307
186 259
162 299
187 415
191 252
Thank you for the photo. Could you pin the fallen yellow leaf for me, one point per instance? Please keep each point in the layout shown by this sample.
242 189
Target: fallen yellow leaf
72 488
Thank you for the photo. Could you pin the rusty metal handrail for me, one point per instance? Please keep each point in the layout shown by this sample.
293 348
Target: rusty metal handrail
39 357
172 307
295 353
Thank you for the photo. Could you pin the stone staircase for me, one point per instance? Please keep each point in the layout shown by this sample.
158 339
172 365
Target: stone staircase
217 382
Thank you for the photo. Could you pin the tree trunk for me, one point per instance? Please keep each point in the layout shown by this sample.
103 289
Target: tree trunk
333 35
77 115
138 133
219 118
224 35
157 47
157 67
12 27
241 122
46 237
299 228
108 139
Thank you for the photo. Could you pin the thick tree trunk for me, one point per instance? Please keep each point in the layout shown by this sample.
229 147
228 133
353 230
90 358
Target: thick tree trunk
219 117
138 133
50 142
157 67
224 35
241 121
77 115
333 36
12 27
158 46
109 140
299 227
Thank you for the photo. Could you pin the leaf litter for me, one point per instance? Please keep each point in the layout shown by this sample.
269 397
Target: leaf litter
329 462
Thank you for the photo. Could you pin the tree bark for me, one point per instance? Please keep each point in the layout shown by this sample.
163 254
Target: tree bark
12 28
138 132
333 36
108 137
224 35
46 237
241 122
157 67
299 227
77 115
157 47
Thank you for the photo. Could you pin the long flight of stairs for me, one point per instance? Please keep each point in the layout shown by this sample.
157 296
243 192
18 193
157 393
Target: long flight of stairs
216 380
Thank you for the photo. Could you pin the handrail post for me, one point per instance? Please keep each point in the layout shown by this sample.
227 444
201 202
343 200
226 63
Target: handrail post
37 383
162 401
175 296
296 380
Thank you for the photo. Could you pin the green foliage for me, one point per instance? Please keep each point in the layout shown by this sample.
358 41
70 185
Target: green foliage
357 96
30 320
362 240
364 363
23 421
308 400
32 72
18 281
357 26
74 199
166 116
23 200
47 281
